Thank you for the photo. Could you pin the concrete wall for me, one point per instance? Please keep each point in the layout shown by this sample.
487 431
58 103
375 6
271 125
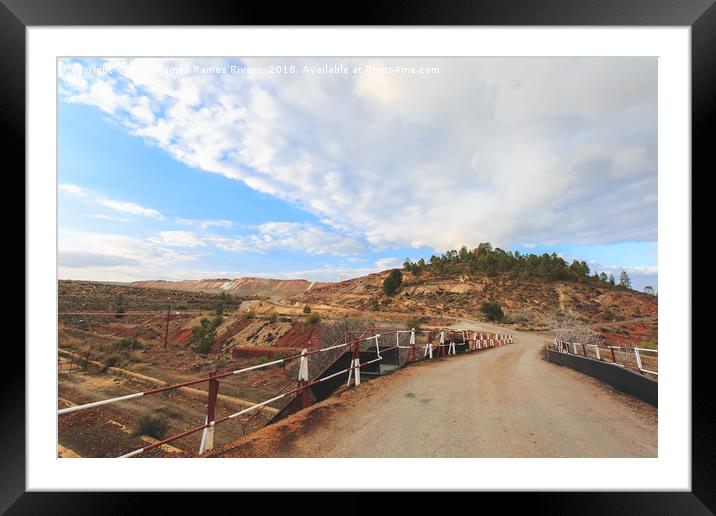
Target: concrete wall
622 379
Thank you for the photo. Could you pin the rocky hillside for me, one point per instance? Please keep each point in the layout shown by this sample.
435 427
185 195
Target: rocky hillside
242 287
460 294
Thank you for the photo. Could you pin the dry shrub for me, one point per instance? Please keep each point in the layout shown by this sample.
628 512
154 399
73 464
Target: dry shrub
153 424
568 328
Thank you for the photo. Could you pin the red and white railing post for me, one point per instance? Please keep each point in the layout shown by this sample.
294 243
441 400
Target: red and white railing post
451 347
207 438
355 365
429 347
412 356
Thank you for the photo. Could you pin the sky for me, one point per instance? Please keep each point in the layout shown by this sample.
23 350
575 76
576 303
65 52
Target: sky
332 168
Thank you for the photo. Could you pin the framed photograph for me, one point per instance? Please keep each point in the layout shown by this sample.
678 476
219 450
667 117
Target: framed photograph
434 250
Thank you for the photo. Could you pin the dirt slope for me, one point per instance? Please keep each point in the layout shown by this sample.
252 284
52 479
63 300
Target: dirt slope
460 295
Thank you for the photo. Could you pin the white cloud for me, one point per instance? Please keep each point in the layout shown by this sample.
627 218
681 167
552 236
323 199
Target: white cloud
178 239
292 236
205 224
129 207
120 206
544 150
389 263
111 257
108 217
74 190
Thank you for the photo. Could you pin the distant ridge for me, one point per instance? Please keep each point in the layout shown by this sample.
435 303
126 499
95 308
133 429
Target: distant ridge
247 286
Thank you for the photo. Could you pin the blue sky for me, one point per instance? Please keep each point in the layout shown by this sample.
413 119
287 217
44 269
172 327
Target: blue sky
171 172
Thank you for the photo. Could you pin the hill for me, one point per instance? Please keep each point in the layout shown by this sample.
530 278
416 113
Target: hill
459 292
242 287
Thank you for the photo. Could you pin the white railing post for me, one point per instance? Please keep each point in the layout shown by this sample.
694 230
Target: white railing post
204 434
429 347
597 350
303 367
638 359
354 371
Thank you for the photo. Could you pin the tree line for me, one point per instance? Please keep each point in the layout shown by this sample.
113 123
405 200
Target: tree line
495 261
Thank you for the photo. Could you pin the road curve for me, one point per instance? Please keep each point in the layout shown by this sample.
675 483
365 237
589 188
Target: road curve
502 402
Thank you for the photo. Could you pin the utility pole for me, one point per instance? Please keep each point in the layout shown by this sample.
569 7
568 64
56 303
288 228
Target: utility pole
166 331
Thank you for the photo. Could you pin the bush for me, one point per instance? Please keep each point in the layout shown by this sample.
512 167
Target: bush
119 306
313 319
306 309
374 306
249 315
413 323
110 361
129 343
153 424
273 318
608 314
204 335
492 310
392 283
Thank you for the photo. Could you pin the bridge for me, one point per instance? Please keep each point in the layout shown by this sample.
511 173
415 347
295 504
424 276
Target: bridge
319 372
506 402
472 392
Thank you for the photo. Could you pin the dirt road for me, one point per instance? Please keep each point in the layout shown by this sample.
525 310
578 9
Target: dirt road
502 402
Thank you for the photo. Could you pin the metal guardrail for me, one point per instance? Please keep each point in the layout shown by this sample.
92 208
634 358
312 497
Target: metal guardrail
636 358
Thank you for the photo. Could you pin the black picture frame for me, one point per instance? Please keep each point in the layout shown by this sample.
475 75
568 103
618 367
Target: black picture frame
700 15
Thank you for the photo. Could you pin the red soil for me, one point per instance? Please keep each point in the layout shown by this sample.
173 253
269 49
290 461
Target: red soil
631 334
260 351
182 336
301 335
